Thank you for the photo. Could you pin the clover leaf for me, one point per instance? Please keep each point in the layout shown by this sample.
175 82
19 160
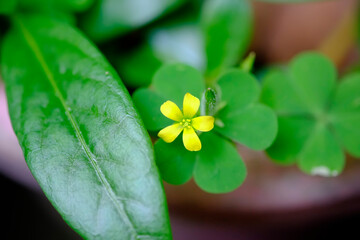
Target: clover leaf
217 167
318 117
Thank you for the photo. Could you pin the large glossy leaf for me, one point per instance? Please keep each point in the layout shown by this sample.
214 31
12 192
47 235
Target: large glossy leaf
109 18
81 137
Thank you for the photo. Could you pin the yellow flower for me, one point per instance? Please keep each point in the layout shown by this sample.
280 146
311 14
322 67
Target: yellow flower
185 121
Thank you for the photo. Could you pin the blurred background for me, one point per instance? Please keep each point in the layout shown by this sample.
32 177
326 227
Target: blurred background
275 202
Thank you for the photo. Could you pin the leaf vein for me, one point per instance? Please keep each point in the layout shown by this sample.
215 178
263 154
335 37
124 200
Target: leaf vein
93 161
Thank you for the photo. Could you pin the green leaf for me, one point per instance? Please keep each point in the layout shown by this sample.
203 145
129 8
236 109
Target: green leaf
292 135
219 168
138 66
110 18
313 122
345 111
322 154
7 6
238 89
255 126
227 28
248 63
175 163
81 137
210 102
164 44
148 104
244 120
173 81
279 94
52 5
313 78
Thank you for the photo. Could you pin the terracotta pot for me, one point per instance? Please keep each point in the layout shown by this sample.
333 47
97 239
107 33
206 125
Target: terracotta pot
283 30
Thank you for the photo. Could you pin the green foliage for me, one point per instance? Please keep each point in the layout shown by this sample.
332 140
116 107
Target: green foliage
175 163
248 63
317 117
217 167
215 42
179 42
211 99
7 6
81 137
110 18
227 28
243 116
59 5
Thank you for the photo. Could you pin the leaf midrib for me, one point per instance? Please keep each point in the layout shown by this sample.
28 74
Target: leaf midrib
102 178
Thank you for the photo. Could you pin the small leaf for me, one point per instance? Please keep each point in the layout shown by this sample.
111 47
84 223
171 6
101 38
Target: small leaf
292 135
238 89
148 104
173 81
219 168
227 28
109 18
309 118
279 94
81 137
248 63
210 102
255 126
138 66
243 119
313 77
175 163
345 110
321 154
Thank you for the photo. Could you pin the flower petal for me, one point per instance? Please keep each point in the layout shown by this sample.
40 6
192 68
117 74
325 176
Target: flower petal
169 133
171 111
191 105
191 139
203 123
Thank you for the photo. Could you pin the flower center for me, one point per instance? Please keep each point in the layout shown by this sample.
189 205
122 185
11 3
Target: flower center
186 123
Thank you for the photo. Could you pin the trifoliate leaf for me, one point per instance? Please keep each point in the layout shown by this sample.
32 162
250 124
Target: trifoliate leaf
316 117
175 163
345 110
219 168
244 120
173 81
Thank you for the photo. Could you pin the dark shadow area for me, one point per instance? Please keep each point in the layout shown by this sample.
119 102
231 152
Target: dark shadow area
28 215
